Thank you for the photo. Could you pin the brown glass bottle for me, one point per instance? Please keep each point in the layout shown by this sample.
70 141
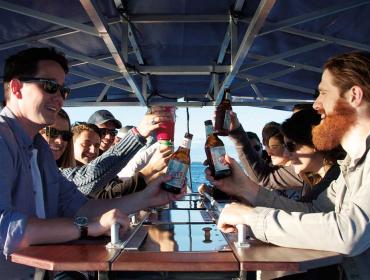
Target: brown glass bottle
215 151
222 123
178 166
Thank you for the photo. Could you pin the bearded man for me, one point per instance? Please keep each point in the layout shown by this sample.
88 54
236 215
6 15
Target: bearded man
344 106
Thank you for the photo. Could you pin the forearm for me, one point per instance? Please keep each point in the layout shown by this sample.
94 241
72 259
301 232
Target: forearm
45 231
255 167
249 193
319 231
128 204
121 187
271 199
260 171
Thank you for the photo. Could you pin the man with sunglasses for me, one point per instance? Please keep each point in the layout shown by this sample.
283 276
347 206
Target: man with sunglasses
38 204
108 126
338 220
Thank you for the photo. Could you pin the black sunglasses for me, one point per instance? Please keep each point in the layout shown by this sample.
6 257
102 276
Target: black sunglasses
105 131
291 146
54 133
50 86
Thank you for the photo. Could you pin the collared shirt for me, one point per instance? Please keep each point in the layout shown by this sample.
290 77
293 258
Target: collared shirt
338 220
17 199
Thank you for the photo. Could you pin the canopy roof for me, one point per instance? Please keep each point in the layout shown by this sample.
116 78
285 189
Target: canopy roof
186 52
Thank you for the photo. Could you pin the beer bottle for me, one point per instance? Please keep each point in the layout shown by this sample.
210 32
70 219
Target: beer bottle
215 151
178 166
222 123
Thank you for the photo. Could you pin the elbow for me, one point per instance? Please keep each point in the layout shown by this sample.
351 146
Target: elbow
352 249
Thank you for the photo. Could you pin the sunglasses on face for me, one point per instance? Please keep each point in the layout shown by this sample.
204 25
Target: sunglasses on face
54 133
105 131
291 146
49 86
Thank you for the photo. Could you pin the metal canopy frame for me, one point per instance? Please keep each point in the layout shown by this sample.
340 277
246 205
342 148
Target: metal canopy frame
232 68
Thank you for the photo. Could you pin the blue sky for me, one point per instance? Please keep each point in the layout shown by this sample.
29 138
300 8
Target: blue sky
252 119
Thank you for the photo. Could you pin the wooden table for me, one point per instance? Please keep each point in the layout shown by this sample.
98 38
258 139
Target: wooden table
66 257
261 256
162 252
176 261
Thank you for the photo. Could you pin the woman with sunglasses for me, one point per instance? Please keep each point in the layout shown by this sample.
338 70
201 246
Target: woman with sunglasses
59 138
317 168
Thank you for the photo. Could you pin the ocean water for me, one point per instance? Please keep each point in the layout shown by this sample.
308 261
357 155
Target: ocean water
197 175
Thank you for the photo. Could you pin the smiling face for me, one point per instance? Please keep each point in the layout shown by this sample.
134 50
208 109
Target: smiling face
306 159
275 150
86 146
107 139
57 144
36 105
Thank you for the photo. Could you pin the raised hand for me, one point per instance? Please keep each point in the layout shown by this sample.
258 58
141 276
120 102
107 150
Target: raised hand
154 119
158 163
234 123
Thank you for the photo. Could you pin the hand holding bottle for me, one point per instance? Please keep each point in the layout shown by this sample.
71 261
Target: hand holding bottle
234 121
238 184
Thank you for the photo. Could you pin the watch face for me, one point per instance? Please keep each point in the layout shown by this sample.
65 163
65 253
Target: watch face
81 221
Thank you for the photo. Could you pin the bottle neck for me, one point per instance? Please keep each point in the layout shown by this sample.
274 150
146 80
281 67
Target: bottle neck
227 96
209 130
186 143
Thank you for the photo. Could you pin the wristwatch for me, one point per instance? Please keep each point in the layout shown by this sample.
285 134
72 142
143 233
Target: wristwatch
81 223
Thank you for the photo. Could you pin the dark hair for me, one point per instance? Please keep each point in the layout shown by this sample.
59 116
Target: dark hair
301 106
252 135
25 64
298 128
351 69
79 127
271 129
68 158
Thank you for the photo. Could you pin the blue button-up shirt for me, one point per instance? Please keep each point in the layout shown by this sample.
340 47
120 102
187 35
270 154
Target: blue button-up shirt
17 200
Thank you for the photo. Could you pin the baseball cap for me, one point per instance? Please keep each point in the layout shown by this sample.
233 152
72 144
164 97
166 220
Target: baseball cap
103 116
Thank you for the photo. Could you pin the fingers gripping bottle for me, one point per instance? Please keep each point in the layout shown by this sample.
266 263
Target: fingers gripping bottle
178 166
215 151
222 122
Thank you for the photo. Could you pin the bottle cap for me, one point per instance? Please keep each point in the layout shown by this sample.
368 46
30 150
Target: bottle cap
188 135
208 122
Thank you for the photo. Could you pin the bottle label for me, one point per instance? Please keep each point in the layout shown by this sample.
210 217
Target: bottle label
178 172
186 143
227 120
218 158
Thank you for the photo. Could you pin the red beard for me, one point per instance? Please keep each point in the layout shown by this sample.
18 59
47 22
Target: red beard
329 134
